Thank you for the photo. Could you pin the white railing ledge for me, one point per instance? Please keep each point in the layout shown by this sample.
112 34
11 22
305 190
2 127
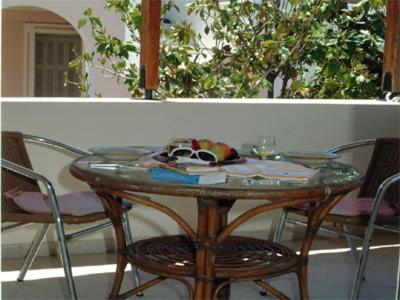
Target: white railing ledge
283 101
206 101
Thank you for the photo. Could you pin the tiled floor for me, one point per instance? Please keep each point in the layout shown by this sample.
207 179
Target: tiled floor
330 276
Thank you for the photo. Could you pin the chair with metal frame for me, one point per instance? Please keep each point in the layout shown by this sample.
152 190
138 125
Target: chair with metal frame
17 172
384 163
383 189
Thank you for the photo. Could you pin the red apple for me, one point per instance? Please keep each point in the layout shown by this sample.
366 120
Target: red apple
195 145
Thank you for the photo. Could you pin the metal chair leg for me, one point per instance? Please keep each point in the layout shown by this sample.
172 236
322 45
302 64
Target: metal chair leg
355 293
129 240
32 252
65 258
277 237
281 226
350 241
398 279
60 235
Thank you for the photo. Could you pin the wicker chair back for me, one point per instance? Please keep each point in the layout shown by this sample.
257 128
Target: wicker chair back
385 162
14 150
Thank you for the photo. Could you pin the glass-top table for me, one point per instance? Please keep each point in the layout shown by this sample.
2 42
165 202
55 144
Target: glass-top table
209 253
333 175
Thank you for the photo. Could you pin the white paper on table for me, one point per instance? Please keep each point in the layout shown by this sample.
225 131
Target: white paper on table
271 169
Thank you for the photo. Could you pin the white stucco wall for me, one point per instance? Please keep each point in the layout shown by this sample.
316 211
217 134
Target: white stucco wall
72 11
313 125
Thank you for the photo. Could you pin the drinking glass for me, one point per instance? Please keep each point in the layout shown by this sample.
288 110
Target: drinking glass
246 148
264 146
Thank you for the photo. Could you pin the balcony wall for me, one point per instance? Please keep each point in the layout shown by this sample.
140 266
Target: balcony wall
298 125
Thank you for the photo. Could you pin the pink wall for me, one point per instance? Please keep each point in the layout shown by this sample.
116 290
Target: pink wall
13 43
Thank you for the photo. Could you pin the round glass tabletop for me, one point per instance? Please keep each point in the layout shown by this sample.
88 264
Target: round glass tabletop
123 174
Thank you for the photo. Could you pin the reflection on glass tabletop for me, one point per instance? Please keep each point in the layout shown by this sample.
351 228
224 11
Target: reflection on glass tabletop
117 153
132 170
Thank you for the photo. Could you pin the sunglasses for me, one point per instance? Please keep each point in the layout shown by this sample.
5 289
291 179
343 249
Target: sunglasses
186 152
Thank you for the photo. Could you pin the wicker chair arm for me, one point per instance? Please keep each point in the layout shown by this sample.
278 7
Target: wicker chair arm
55 144
353 145
36 176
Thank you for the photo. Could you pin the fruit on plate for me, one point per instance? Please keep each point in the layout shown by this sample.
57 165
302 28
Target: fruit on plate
234 154
196 145
219 151
206 144
222 151
227 150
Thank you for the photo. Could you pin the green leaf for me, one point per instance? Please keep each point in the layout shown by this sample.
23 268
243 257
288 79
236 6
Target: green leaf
81 23
210 82
285 53
269 43
290 41
88 12
333 68
87 56
74 63
131 48
190 8
124 53
102 47
96 21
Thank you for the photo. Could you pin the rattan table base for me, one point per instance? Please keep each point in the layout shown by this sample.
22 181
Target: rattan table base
238 258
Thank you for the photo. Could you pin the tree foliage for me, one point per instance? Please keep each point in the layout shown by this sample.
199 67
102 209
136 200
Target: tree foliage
319 48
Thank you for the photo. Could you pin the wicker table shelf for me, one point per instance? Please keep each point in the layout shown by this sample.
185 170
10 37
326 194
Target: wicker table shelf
236 257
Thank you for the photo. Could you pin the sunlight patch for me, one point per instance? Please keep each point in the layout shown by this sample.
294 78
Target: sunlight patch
342 250
58 272
8 276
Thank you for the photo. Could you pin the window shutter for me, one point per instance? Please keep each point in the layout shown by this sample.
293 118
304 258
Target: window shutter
52 55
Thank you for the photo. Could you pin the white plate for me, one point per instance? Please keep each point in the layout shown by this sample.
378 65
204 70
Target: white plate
311 158
123 153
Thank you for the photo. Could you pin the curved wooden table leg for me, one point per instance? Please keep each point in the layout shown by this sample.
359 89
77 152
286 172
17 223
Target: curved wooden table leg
212 218
302 277
315 218
113 207
224 207
119 277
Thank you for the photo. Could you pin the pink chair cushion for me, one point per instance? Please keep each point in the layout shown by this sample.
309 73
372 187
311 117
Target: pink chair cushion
75 204
361 207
